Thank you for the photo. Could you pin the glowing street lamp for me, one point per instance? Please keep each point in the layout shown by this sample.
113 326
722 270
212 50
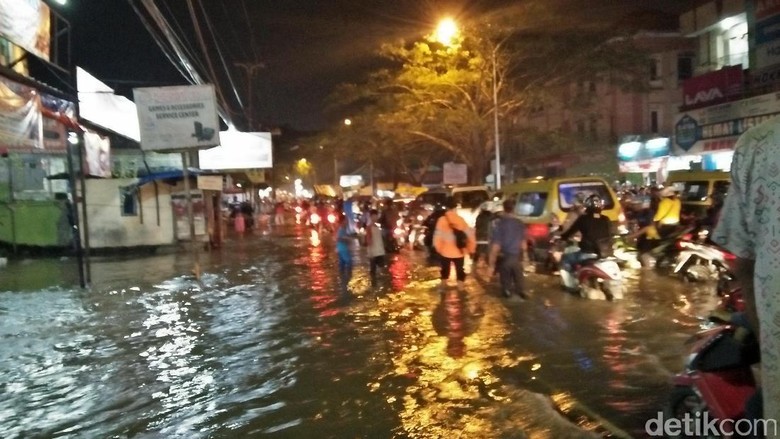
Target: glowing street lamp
446 31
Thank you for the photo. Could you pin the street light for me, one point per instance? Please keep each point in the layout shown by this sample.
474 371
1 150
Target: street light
445 33
497 175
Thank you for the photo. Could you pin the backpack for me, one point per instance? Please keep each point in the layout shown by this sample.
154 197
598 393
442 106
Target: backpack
461 239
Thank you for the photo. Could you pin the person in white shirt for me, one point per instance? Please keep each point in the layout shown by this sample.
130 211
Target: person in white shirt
375 244
749 227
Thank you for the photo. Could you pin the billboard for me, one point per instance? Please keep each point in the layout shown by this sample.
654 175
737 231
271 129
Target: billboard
98 104
238 150
178 117
27 23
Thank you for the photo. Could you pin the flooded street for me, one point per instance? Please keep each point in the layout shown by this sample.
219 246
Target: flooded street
262 347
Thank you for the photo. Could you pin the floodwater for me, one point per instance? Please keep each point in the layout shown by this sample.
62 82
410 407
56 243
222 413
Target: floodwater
263 347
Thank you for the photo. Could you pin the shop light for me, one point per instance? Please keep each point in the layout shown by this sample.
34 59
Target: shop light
657 143
629 149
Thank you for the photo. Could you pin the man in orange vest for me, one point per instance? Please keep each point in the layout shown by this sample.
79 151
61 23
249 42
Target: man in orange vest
446 244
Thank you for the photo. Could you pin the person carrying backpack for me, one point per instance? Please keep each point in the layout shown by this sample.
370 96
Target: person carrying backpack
453 239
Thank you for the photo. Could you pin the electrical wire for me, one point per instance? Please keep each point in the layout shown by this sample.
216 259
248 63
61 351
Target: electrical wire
221 57
165 50
212 72
181 37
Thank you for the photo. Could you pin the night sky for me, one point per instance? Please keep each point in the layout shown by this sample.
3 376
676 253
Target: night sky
307 46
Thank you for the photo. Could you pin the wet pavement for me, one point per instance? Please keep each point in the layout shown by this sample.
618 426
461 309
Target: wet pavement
263 347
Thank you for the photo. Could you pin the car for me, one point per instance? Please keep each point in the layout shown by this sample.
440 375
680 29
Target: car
468 199
544 203
698 189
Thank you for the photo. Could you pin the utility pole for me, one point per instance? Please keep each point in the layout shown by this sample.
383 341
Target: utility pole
250 68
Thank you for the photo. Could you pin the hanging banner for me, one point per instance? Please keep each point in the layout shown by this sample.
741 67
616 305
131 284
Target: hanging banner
97 155
20 116
179 117
26 23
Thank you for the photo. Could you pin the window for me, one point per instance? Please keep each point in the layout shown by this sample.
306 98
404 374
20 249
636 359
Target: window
531 203
693 190
471 199
684 67
655 69
568 192
128 200
432 198
654 121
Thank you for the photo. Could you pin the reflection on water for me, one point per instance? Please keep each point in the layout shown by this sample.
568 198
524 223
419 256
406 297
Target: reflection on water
263 347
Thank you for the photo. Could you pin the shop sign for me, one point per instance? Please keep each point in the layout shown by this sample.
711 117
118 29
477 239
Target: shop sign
718 127
766 40
714 87
178 117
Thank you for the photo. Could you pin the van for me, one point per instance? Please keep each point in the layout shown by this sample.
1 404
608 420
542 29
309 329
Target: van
545 202
468 198
697 189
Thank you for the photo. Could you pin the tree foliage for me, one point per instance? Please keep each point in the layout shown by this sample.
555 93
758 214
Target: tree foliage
437 101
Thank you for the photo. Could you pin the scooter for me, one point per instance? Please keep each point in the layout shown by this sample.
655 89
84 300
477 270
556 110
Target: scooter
594 277
699 261
717 381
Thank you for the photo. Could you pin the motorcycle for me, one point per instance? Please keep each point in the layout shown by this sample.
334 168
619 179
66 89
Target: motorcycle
594 277
718 381
699 261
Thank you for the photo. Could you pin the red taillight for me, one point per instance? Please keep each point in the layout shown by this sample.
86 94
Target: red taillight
729 256
315 218
686 237
537 230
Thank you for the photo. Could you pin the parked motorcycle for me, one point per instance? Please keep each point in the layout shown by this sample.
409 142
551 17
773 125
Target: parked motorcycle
594 277
717 381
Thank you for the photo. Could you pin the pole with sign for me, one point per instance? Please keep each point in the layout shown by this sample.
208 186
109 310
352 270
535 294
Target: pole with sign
179 118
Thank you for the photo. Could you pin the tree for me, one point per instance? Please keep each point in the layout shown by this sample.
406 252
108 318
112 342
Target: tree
442 96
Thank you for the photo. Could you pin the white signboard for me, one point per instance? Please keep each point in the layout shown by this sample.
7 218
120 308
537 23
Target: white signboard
179 117
455 173
99 105
239 151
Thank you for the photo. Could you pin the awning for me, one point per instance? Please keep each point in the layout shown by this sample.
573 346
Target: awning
175 174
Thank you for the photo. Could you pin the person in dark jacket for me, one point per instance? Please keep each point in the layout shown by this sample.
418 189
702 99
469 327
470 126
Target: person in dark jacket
596 236
482 229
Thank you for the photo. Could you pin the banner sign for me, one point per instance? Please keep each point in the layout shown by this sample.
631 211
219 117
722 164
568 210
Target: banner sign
98 155
713 88
178 117
455 173
20 116
718 127
26 23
